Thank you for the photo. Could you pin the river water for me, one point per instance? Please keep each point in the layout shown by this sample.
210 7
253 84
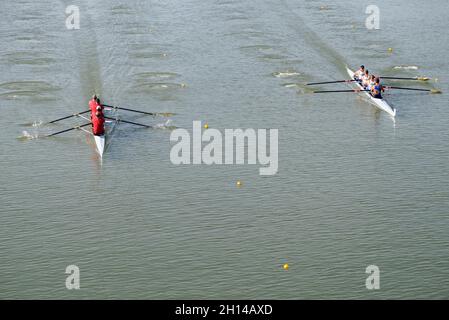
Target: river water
354 188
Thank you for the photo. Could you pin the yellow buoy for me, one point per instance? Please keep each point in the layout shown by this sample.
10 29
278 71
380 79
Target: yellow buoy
390 49
206 126
285 266
239 183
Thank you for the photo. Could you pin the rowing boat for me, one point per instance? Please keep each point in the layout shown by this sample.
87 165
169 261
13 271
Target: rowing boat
111 120
109 126
103 141
378 102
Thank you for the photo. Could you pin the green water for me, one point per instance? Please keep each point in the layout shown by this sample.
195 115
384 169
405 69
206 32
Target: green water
354 188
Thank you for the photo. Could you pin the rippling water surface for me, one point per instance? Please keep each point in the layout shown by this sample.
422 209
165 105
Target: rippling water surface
354 188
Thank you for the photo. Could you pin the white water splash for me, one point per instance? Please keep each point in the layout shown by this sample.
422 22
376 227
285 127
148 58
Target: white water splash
406 67
286 74
27 136
291 85
165 125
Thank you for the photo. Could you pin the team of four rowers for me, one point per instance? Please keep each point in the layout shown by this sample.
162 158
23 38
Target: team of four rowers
96 116
369 82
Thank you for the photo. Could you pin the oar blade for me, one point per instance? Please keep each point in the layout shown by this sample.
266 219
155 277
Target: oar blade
414 89
420 78
166 114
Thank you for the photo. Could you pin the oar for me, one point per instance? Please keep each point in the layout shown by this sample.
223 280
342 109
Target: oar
415 89
326 82
66 130
73 115
130 122
328 91
399 78
132 110
164 114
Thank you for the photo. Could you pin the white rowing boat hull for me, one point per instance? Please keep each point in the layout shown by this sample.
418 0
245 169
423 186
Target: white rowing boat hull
380 103
101 141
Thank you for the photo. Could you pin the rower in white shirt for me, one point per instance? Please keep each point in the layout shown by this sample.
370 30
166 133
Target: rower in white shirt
372 82
365 79
360 72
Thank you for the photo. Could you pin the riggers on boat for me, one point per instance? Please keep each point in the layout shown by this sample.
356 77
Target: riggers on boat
378 102
102 140
111 119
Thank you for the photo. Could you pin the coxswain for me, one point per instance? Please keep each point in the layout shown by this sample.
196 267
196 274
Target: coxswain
98 124
377 89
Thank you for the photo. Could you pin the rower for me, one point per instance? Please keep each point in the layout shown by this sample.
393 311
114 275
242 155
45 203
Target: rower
359 73
99 109
365 79
93 104
372 81
98 124
99 103
377 89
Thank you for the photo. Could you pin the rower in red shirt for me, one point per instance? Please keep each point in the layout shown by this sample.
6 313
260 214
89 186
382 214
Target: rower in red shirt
99 109
93 104
98 124
99 104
